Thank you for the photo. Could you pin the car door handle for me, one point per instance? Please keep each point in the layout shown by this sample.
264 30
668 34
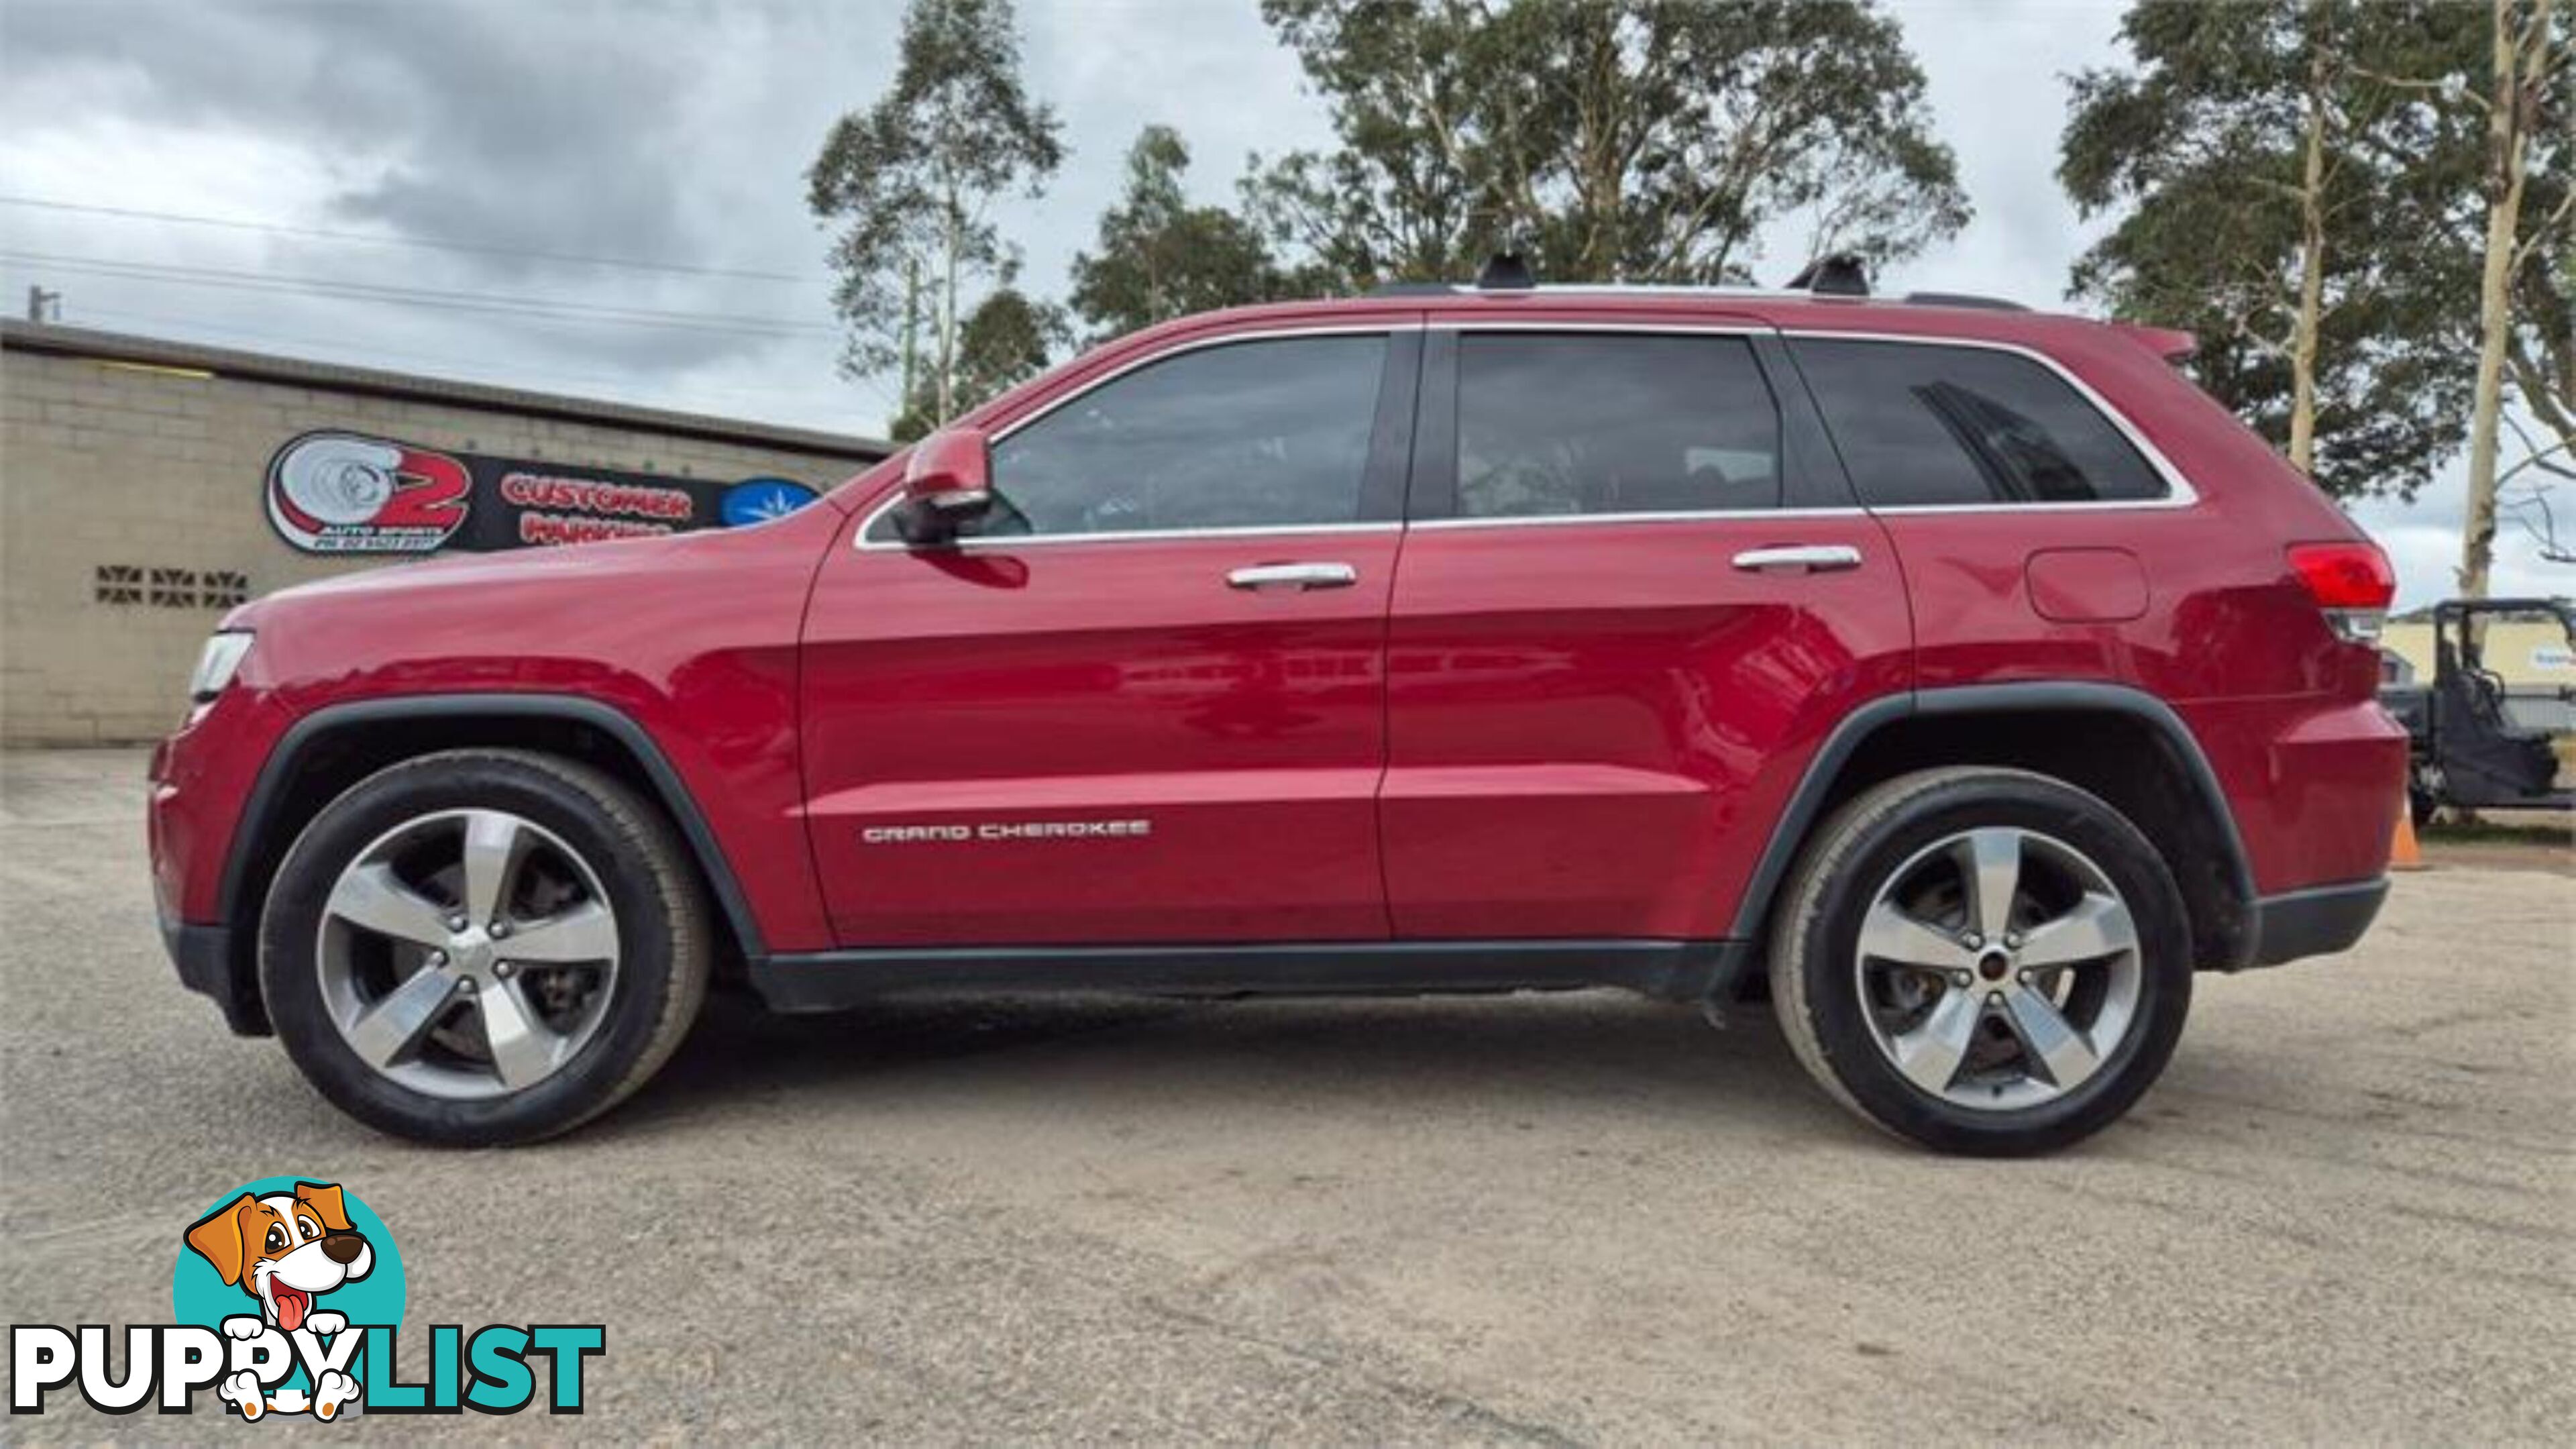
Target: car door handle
1294 576
1809 558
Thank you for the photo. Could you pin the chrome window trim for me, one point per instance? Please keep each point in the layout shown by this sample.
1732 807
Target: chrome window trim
2181 494
1728 327
1015 542
894 497
1714 515
1648 290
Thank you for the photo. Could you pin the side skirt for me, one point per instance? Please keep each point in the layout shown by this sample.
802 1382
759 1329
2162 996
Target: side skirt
1668 970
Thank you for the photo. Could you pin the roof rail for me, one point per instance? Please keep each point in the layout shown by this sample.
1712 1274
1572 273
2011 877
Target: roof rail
1839 277
1962 299
1577 289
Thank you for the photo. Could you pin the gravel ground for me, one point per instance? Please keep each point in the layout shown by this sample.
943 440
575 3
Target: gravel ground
2345 1214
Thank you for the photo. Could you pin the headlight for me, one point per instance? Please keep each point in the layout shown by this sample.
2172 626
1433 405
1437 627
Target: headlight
217 665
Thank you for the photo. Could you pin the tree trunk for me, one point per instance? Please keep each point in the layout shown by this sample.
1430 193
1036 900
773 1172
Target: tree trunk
911 332
954 241
2507 144
2312 273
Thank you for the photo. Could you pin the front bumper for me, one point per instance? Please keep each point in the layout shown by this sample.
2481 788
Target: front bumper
199 777
2314 922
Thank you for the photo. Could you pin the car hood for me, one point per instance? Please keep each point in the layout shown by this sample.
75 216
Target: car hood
583 568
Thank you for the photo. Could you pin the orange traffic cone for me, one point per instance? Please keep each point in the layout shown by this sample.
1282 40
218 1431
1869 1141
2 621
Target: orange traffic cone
2405 853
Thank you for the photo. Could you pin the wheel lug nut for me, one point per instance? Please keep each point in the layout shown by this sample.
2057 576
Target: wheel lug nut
456 923
1959 978
2012 940
437 958
504 969
500 929
1972 941
1994 998
2025 978
466 986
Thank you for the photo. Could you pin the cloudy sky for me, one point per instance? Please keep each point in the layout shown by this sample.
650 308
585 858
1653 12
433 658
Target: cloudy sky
607 199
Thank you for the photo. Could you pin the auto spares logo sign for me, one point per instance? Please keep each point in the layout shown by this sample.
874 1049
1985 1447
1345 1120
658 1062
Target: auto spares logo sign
350 493
337 493
286 1303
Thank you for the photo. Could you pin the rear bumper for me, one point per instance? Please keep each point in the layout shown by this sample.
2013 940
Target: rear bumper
2316 788
2314 922
204 956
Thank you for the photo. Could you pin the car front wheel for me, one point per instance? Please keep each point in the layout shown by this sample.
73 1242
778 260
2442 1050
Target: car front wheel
1983 961
482 947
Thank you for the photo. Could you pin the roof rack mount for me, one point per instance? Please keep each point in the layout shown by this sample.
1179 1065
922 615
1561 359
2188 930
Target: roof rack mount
1839 275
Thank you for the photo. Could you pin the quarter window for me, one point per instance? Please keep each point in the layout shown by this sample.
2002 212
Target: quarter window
1572 424
1927 425
1267 434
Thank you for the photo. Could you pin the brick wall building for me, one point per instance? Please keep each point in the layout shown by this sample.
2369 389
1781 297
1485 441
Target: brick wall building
135 498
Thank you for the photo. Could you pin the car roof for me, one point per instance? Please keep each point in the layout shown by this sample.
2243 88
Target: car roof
2069 341
1937 315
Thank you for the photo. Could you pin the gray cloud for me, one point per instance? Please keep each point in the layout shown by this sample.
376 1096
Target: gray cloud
548 127
656 133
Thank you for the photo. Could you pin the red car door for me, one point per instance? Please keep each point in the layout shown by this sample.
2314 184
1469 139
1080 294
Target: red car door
1634 598
1143 700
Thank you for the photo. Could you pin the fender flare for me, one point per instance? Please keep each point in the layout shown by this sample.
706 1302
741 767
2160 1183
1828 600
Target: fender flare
670 791
1789 833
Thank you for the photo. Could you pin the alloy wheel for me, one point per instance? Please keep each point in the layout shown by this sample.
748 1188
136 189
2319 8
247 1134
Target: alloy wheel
467 954
1998 968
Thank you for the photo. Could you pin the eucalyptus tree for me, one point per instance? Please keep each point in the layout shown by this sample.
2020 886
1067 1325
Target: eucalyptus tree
2313 187
2238 153
911 180
1159 257
1611 140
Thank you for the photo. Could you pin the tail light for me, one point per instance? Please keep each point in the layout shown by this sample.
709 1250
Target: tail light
2351 583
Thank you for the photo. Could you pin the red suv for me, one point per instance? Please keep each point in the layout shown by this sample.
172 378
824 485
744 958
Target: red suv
1961 673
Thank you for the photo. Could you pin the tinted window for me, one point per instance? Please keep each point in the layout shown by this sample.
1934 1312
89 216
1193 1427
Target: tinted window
1552 424
1248 435
1921 424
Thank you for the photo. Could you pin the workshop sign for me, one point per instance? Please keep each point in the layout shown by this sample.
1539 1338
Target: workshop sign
350 493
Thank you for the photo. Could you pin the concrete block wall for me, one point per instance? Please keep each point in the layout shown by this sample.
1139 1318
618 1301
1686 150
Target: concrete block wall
106 463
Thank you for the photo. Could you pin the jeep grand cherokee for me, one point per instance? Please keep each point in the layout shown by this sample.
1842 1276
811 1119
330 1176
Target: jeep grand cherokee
1960 673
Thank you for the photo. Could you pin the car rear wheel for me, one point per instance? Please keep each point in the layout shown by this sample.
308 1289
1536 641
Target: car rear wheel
483 946
1984 961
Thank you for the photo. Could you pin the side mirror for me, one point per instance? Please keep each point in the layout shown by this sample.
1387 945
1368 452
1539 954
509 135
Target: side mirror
951 474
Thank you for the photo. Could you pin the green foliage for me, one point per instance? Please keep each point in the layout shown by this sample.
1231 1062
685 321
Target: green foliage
910 180
1158 257
1615 140
1009 338
2198 148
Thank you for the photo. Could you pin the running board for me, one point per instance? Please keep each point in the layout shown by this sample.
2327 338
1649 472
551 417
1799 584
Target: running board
1668 970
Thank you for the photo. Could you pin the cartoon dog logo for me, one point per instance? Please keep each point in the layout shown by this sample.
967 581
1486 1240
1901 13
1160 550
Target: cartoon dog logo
285 1250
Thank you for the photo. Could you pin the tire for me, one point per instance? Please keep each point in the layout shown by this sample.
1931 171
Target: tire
1915 845
2423 794
363 915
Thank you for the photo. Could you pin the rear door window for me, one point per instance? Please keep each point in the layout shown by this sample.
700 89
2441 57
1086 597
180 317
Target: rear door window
1574 424
1932 425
